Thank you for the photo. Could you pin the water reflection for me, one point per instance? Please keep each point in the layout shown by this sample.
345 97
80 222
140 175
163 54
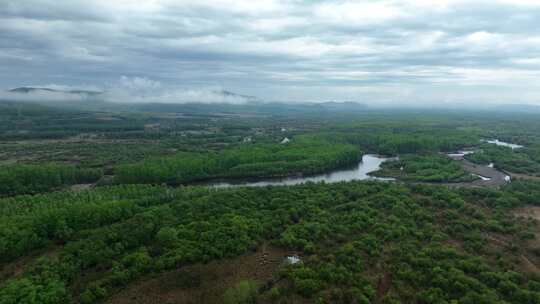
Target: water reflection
370 163
503 144
482 177
459 154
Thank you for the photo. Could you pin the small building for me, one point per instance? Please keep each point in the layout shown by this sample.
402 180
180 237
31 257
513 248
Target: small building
285 140
292 260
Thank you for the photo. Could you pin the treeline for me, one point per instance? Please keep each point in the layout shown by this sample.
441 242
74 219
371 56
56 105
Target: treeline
351 236
523 160
31 179
425 168
305 155
407 139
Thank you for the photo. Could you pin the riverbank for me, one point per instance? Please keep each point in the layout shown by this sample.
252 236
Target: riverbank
521 176
370 163
489 177
496 177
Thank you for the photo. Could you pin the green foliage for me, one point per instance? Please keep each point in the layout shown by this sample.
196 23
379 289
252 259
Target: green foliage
302 156
347 232
425 168
523 160
244 292
30 222
27 291
405 133
167 236
31 179
359 242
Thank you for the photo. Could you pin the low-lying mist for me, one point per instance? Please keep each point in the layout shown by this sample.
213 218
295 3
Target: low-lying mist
127 90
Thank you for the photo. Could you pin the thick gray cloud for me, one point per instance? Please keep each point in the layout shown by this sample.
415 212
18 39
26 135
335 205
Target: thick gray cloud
388 51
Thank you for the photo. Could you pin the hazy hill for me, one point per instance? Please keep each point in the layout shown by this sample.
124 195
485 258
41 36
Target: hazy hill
38 89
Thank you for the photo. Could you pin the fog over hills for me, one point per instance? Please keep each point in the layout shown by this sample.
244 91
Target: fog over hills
218 100
211 101
123 94
38 89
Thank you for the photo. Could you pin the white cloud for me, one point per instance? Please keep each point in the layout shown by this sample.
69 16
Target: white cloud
42 96
489 76
144 90
520 2
483 37
527 61
127 90
357 12
266 47
138 84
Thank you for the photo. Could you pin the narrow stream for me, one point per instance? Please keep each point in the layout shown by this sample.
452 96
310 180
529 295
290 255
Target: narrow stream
503 144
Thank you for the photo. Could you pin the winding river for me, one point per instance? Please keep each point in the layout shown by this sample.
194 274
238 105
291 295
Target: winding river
370 163
488 175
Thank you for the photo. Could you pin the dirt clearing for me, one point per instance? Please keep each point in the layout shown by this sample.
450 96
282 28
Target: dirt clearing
204 283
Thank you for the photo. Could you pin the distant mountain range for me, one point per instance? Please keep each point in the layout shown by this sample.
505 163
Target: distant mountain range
26 90
226 93
343 105
96 101
522 108
251 104
38 89
260 108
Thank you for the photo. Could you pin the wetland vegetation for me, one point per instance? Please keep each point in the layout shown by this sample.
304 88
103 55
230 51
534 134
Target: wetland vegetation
426 168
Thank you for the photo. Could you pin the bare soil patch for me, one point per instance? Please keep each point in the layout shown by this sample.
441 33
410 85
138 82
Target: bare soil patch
204 283
18 266
523 176
532 212
81 187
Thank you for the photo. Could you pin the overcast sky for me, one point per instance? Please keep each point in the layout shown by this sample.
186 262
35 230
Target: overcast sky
404 51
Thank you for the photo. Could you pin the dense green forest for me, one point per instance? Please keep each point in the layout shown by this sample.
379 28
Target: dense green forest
427 239
31 179
149 219
425 168
523 160
302 156
403 138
